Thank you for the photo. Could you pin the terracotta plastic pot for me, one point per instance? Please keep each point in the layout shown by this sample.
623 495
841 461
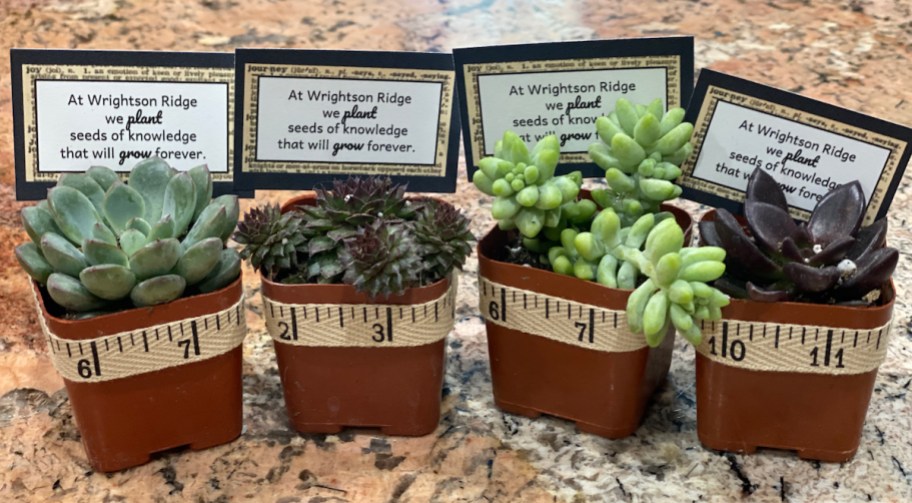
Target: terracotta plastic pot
818 415
605 393
123 422
395 389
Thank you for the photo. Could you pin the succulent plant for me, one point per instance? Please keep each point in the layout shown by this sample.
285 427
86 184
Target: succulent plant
831 258
380 259
629 244
443 238
528 196
364 232
652 249
100 244
675 291
351 204
272 241
641 151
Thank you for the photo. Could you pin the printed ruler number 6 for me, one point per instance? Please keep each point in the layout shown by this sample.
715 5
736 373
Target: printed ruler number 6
84 368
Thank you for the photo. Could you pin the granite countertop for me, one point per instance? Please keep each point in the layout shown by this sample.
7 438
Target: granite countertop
852 53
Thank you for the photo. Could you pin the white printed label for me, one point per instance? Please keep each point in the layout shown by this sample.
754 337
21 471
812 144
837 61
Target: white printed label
565 103
117 123
347 121
806 161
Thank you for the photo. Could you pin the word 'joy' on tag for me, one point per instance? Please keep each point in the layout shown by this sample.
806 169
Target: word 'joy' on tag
309 116
561 88
809 147
76 109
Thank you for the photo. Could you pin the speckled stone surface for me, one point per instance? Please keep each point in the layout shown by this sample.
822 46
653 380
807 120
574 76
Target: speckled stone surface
854 53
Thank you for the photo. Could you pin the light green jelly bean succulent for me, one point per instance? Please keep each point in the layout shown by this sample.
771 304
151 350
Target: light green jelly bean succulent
675 291
528 196
641 151
100 244
629 244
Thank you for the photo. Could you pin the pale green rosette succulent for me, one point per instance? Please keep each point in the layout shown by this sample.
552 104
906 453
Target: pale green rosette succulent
99 244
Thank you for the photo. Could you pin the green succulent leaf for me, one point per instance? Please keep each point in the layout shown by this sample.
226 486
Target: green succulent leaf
202 182
156 258
122 203
158 290
103 176
227 270
70 294
108 281
73 212
163 229
212 223
85 184
33 262
132 240
199 260
99 252
179 202
139 224
232 212
150 177
62 255
102 232
37 221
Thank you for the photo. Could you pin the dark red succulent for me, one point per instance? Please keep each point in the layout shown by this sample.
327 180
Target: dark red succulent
831 258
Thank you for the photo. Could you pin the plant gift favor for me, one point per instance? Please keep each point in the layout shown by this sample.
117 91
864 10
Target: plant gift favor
793 365
621 237
359 294
142 307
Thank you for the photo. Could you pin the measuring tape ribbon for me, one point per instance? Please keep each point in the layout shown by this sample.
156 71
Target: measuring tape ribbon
362 325
148 349
780 347
584 325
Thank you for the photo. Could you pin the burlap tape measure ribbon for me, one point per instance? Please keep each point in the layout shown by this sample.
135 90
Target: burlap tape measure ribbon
149 349
775 347
361 325
584 325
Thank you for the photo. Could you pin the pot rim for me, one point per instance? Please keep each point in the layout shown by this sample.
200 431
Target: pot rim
139 317
347 291
555 284
353 296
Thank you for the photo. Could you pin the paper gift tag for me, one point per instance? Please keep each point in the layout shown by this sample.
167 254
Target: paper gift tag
309 116
561 88
808 146
76 109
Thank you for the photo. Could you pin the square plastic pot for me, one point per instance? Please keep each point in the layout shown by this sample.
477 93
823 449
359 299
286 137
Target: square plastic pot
604 393
123 422
819 416
397 389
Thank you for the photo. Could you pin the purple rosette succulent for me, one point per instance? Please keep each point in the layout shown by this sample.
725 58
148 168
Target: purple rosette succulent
829 259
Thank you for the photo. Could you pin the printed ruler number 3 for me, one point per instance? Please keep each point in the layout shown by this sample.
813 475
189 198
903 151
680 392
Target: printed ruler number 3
380 334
